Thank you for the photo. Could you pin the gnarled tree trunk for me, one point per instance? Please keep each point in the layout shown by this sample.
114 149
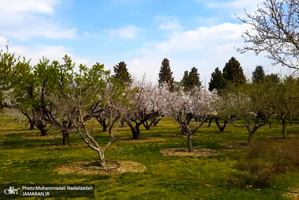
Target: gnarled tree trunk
103 123
31 125
42 127
221 128
65 137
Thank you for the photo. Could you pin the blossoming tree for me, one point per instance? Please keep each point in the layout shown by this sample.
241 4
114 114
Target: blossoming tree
149 103
190 109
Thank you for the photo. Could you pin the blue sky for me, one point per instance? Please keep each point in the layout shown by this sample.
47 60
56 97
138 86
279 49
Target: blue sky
200 33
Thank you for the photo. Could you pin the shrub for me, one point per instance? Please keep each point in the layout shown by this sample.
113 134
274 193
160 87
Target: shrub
265 162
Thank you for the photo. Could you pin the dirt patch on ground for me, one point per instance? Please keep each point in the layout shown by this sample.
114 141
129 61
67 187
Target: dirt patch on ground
293 194
39 137
185 152
234 145
85 169
140 140
180 135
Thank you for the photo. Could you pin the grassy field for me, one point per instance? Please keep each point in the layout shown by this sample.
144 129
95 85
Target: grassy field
27 158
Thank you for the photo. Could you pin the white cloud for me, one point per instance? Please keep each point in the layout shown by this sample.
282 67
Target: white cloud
51 52
87 34
234 6
204 47
3 41
53 32
170 25
202 37
31 6
29 18
126 32
36 52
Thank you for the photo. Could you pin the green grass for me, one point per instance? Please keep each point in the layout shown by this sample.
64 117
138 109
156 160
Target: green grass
29 160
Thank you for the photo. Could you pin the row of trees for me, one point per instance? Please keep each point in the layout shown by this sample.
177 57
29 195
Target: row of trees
51 94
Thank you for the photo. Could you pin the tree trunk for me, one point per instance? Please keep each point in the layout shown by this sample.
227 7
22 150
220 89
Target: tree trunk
284 129
103 123
210 121
31 125
102 161
65 137
134 129
40 125
43 132
122 123
221 128
105 127
146 125
157 120
250 134
135 132
190 144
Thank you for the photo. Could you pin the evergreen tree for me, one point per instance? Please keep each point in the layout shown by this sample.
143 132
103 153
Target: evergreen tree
191 79
194 77
121 73
233 72
165 74
185 81
217 80
272 78
258 75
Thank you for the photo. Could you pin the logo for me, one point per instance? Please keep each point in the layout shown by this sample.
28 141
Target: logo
12 190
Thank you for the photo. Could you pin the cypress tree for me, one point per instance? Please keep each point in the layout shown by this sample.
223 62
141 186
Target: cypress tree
258 75
233 72
217 80
191 79
121 73
165 74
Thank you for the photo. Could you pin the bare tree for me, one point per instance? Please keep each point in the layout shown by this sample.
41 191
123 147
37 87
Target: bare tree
275 30
115 103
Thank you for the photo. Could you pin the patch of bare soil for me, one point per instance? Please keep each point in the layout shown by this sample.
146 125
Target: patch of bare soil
89 168
293 194
180 135
39 137
59 145
234 145
140 140
185 152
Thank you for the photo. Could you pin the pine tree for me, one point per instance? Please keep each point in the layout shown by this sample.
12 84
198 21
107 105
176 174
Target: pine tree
191 79
165 74
233 72
217 80
258 75
121 73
